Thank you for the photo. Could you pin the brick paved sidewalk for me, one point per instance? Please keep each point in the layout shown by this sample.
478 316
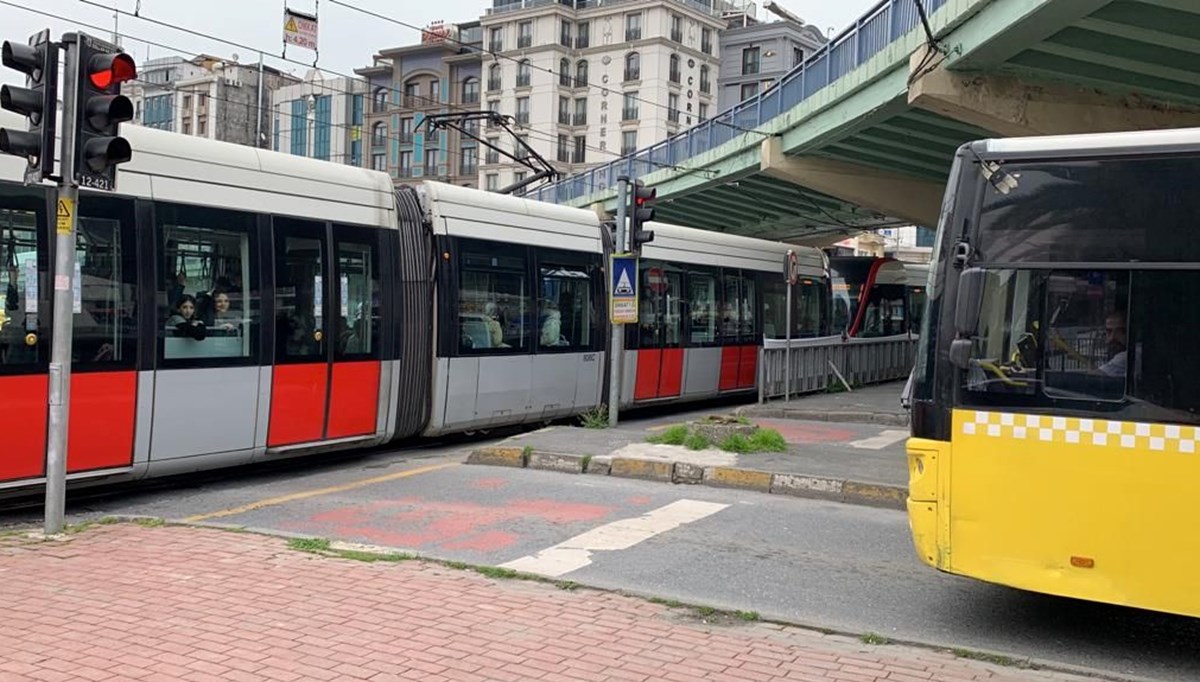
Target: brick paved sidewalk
126 602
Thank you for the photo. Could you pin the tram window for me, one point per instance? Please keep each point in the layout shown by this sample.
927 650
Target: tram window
358 300
565 308
702 298
208 300
19 287
746 312
730 305
300 290
494 308
884 315
806 308
660 308
105 325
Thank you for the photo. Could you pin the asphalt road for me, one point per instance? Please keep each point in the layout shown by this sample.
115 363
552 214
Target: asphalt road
817 563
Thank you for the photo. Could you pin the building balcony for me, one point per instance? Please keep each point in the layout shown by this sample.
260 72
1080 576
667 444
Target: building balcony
628 114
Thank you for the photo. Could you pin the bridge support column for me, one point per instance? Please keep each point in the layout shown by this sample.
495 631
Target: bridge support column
1014 107
894 194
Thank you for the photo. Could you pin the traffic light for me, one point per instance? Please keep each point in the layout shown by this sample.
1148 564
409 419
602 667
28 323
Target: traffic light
37 101
641 212
100 108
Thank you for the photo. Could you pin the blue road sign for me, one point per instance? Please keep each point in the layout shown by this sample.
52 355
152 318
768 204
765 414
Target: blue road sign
622 291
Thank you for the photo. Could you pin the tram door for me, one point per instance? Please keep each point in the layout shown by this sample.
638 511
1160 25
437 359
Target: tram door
325 382
660 326
104 379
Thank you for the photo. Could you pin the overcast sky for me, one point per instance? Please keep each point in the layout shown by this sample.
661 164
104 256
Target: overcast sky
348 38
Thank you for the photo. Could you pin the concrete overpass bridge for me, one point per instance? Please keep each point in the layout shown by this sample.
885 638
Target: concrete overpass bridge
862 134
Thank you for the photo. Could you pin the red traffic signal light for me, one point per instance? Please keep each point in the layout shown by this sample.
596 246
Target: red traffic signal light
108 70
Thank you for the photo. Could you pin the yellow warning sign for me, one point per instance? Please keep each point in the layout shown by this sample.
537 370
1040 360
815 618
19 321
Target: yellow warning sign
291 26
66 208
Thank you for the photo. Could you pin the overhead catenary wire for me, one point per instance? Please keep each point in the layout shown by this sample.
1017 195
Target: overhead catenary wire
391 90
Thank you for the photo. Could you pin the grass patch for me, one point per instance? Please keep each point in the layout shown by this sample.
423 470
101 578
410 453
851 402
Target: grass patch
669 603
872 638
767 440
309 544
696 441
674 435
496 572
147 523
595 418
735 442
706 611
587 459
372 557
996 659
748 616
526 452
568 585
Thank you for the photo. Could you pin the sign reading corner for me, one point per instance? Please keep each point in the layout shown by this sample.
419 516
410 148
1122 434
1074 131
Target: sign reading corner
622 291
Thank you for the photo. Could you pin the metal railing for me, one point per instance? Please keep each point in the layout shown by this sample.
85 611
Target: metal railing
884 24
817 363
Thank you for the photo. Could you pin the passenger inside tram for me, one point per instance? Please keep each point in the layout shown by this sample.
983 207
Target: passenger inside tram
184 322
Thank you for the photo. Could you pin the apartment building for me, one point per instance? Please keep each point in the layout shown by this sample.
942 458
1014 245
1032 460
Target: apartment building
754 56
321 118
590 80
441 74
207 96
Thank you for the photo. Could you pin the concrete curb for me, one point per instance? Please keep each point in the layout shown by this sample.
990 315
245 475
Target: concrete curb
847 491
851 416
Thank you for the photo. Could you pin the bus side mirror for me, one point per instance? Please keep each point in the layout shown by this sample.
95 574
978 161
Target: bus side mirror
970 298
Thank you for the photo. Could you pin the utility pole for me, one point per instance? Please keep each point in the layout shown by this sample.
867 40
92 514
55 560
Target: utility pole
618 330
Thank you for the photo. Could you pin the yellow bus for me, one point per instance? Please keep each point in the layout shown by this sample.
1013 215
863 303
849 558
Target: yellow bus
1056 393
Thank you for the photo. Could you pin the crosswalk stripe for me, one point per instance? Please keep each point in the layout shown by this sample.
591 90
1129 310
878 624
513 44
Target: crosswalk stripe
881 441
575 553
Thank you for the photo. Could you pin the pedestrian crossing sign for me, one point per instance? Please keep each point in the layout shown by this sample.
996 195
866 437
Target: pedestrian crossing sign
622 293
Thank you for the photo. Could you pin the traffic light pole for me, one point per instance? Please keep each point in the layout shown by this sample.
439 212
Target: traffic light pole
618 330
64 299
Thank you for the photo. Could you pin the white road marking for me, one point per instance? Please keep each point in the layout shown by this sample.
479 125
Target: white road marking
575 553
881 441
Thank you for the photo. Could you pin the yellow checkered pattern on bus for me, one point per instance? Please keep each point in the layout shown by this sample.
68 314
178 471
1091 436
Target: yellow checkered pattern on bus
1074 431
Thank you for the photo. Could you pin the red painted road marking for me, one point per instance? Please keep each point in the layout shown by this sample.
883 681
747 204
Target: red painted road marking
801 433
414 522
488 483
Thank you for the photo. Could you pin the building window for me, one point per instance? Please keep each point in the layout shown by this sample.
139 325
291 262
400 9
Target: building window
580 112
470 161
629 110
355 153
524 34
633 66
628 142
435 91
470 128
379 100
378 134
564 149
633 26
523 111
202 126
564 73
431 162
275 129
187 128
564 36
406 129
519 176
705 82
470 91
299 131
491 182
582 35
564 110
797 56
202 101
673 108
494 78
432 136
673 72
706 40
356 110
749 61
523 73
322 124
187 102
412 95
406 164
496 41
494 107
749 90
676 28
379 162
580 155
581 73
702 111
492 156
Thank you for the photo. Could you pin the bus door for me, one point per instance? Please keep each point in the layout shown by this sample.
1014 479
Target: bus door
660 333
325 382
